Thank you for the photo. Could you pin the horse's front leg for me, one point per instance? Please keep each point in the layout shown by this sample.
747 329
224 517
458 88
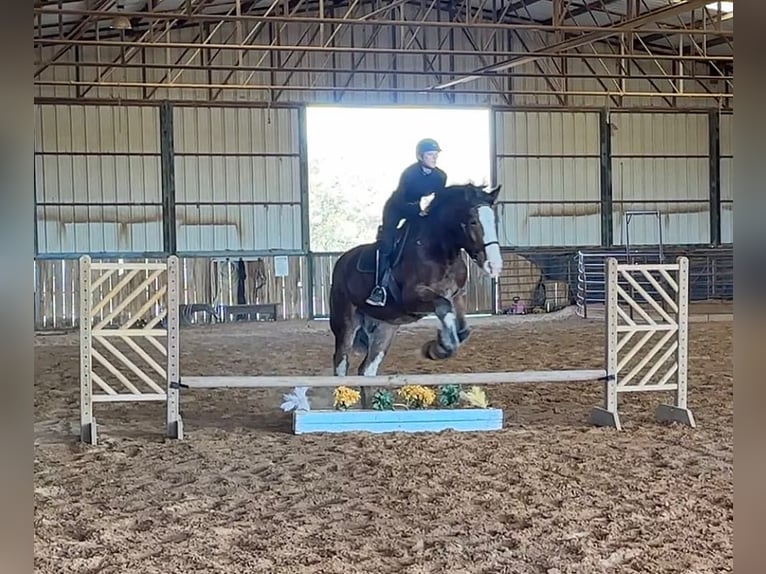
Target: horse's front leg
460 304
446 344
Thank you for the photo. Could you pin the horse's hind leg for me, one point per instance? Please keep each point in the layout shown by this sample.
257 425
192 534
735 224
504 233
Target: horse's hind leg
380 336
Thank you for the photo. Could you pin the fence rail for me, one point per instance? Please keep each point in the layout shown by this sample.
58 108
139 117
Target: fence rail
297 287
711 275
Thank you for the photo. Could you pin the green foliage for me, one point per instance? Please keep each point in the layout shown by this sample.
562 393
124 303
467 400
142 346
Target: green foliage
449 395
343 211
383 400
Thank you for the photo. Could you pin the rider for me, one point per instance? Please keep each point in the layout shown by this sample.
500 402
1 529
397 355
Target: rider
418 180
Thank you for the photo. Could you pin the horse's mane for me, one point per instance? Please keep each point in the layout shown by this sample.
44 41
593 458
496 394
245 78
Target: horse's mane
448 198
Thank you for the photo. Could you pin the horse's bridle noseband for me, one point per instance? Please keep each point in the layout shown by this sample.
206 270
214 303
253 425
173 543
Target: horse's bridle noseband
476 253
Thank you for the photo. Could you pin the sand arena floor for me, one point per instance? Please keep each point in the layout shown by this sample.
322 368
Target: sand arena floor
548 494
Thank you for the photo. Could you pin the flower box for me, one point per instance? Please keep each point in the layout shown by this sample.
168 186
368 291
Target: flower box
399 420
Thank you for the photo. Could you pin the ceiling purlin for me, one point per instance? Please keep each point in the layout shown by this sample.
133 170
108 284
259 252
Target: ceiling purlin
74 33
584 39
481 15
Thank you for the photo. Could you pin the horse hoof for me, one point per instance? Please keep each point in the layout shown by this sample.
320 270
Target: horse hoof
434 351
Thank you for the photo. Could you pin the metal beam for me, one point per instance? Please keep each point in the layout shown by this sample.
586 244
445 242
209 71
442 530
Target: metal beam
547 52
583 9
606 32
382 71
74 34
626 27
190 86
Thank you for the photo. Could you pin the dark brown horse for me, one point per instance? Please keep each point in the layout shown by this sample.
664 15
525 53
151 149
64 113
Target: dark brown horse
428 275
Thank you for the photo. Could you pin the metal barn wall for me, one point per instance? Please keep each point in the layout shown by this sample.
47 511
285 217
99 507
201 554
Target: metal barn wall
238 184
97 179
727 178
548 163
660 162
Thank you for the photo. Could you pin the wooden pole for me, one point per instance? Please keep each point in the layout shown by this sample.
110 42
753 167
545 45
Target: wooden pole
230 382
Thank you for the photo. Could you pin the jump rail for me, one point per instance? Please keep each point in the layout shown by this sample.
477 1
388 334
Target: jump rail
234 382
644 301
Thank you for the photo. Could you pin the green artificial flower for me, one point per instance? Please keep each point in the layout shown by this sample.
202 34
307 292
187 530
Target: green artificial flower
383 400
449 395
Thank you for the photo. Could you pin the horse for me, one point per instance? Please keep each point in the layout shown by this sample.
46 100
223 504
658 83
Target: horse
427 276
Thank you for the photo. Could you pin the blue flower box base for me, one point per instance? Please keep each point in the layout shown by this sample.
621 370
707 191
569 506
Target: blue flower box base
427 420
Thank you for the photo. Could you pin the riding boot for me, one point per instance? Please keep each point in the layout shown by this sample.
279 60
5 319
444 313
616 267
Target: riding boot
377 297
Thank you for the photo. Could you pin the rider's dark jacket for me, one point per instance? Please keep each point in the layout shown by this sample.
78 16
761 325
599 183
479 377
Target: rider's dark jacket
415 182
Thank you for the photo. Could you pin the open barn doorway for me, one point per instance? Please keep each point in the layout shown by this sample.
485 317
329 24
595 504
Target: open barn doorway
356 155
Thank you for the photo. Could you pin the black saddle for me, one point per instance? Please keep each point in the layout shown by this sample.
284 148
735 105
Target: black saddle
366 261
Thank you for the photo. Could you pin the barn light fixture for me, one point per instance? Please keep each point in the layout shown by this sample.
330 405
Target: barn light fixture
121 23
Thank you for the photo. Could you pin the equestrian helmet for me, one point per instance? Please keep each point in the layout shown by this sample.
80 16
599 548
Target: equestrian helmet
426 145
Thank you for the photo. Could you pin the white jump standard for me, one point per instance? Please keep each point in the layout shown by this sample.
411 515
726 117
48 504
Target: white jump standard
644 302
667 317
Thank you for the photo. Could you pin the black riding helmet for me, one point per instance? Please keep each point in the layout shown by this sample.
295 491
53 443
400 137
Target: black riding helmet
426 145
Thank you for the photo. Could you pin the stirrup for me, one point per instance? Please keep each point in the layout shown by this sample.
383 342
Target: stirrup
377 303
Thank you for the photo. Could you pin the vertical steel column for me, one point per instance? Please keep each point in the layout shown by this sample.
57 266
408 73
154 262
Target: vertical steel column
714 153
305 222
493 168
167 166
605 152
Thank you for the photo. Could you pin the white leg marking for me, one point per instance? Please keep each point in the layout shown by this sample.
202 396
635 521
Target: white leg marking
342 369
372 368
494 263
449 328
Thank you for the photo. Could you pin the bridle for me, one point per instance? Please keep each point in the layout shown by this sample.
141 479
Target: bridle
473 255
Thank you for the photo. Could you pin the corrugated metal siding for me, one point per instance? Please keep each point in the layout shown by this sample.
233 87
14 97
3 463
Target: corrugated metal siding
97 179
238 183
727 178
548 163
660 162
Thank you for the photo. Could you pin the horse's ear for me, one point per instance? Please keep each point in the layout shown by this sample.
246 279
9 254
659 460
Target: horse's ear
493 193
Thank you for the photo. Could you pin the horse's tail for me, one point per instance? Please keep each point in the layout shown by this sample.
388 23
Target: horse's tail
361 340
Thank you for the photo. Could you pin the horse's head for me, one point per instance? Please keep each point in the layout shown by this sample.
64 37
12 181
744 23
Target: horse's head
466 214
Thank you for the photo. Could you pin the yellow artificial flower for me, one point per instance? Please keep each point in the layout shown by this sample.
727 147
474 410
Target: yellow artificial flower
345 397
418 395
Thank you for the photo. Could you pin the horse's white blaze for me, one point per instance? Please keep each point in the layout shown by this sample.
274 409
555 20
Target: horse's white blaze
372 368
494 263
342 368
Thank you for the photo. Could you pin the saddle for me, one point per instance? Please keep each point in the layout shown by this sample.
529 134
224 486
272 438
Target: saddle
366 261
